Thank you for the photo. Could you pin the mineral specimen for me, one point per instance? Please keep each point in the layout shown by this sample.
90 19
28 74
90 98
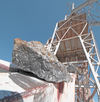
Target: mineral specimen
33 57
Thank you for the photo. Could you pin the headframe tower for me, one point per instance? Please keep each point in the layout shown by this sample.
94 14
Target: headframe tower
74 45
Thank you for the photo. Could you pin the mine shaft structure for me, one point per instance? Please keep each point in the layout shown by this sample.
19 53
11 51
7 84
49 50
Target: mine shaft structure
74 45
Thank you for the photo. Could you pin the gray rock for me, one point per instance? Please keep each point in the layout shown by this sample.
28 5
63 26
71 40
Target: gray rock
34 57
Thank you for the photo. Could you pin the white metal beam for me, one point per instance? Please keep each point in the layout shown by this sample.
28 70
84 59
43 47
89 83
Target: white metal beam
83 29
53 36
78 98
84 75
88 2
95 44
96 23
57 48
98 93
74 62
85 86
91 66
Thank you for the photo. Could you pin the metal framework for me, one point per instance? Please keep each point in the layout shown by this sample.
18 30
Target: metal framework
74 44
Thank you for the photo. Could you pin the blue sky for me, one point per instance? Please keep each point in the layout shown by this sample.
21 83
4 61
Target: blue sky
28 20
31 20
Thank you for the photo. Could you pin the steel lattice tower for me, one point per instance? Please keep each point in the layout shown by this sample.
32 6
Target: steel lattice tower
74 45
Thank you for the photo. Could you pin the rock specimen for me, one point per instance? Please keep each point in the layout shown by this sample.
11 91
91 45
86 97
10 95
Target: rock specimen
34 57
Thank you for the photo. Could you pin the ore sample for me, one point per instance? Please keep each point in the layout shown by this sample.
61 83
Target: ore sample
33 57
